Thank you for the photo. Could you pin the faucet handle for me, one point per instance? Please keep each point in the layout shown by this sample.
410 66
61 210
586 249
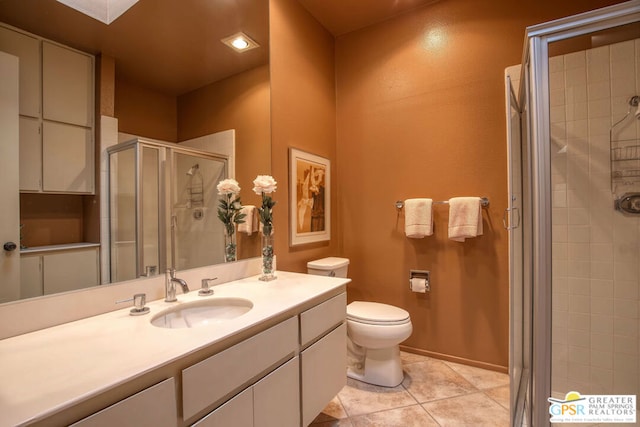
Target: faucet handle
205 287
139 301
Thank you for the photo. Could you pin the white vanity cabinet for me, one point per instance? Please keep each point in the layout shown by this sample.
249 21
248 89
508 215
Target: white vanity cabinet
56 114
278 365
52 271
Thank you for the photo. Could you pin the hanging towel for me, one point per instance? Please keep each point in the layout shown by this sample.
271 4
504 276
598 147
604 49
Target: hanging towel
418 219
250 223
465 218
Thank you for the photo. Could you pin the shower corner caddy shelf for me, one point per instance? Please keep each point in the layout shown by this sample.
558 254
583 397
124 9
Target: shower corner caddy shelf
625 170
622 170
625 163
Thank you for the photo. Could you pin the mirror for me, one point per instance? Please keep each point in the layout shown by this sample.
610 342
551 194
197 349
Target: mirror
164 74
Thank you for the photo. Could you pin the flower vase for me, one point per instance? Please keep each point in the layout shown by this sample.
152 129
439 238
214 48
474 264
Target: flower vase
268 272
230 247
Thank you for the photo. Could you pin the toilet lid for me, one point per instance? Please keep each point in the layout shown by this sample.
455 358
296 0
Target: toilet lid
376 313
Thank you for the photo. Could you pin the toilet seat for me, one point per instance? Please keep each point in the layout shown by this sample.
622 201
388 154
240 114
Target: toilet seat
374 313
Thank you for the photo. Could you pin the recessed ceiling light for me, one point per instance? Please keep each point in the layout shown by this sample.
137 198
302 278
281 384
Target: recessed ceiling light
240 42
105 11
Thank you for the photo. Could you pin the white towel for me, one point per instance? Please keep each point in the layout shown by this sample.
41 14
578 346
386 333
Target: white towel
418 220
465 218
250 223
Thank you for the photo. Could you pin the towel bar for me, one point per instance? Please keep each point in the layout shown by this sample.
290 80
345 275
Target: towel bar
484 202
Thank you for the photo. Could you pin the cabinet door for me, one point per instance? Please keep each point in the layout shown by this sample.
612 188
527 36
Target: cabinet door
276 397
67 85
30 155
154 406
30 276
27 49
324 372
237 412
9 215
70 270
67 158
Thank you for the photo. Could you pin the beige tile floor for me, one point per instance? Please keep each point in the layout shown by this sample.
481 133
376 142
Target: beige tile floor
433 393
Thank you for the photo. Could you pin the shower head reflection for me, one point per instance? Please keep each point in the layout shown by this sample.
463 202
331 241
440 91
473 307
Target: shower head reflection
193 169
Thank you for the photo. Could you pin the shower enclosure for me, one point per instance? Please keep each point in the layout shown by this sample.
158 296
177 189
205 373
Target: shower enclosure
162 205
574 213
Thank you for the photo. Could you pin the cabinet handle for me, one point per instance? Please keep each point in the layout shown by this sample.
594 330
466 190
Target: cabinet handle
10 246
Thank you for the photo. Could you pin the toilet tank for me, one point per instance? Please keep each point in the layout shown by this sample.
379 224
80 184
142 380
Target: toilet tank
331 266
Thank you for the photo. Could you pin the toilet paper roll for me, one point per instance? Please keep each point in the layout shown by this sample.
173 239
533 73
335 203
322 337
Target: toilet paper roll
418 285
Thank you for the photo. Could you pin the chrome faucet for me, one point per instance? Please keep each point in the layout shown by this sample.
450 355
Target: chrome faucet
170 285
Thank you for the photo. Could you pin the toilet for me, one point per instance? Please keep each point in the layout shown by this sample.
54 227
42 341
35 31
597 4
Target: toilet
374 331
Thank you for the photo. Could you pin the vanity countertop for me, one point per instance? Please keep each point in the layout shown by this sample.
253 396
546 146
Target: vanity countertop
52 369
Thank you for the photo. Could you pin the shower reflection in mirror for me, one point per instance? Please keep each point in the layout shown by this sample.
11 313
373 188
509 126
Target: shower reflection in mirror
160 215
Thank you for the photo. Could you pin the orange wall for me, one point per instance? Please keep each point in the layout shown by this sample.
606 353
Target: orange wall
303 116
141 111
420 113
240 102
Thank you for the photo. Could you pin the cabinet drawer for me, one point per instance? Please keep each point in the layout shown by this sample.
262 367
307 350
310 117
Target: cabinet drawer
237 412
321 318
208 382
323 372
155 406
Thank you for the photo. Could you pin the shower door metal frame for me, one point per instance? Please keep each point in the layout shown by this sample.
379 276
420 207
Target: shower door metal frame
519 257
536 63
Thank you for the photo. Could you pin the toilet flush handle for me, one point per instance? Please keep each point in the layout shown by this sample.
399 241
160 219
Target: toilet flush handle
332 273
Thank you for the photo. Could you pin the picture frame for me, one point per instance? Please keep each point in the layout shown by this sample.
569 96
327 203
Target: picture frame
309 198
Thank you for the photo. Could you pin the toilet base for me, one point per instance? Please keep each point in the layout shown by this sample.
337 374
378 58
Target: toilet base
382 367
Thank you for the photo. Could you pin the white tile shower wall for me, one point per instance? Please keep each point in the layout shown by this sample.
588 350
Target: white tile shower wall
596 250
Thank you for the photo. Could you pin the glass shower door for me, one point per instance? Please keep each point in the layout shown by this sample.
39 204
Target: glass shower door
197 235
585 269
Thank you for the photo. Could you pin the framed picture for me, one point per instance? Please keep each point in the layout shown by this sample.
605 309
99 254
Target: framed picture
310 197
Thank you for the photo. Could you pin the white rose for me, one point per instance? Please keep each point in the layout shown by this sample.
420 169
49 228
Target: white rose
264 184
228 186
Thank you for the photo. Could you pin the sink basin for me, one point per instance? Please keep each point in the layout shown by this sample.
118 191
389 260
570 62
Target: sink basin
201 313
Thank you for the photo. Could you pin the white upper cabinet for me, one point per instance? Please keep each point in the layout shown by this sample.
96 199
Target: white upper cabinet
56 114
27 49
67 85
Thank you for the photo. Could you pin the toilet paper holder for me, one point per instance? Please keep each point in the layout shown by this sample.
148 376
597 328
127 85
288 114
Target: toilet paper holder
420 274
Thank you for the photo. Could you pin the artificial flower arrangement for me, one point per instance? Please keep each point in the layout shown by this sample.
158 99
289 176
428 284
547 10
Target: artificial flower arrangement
229 212
263 186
